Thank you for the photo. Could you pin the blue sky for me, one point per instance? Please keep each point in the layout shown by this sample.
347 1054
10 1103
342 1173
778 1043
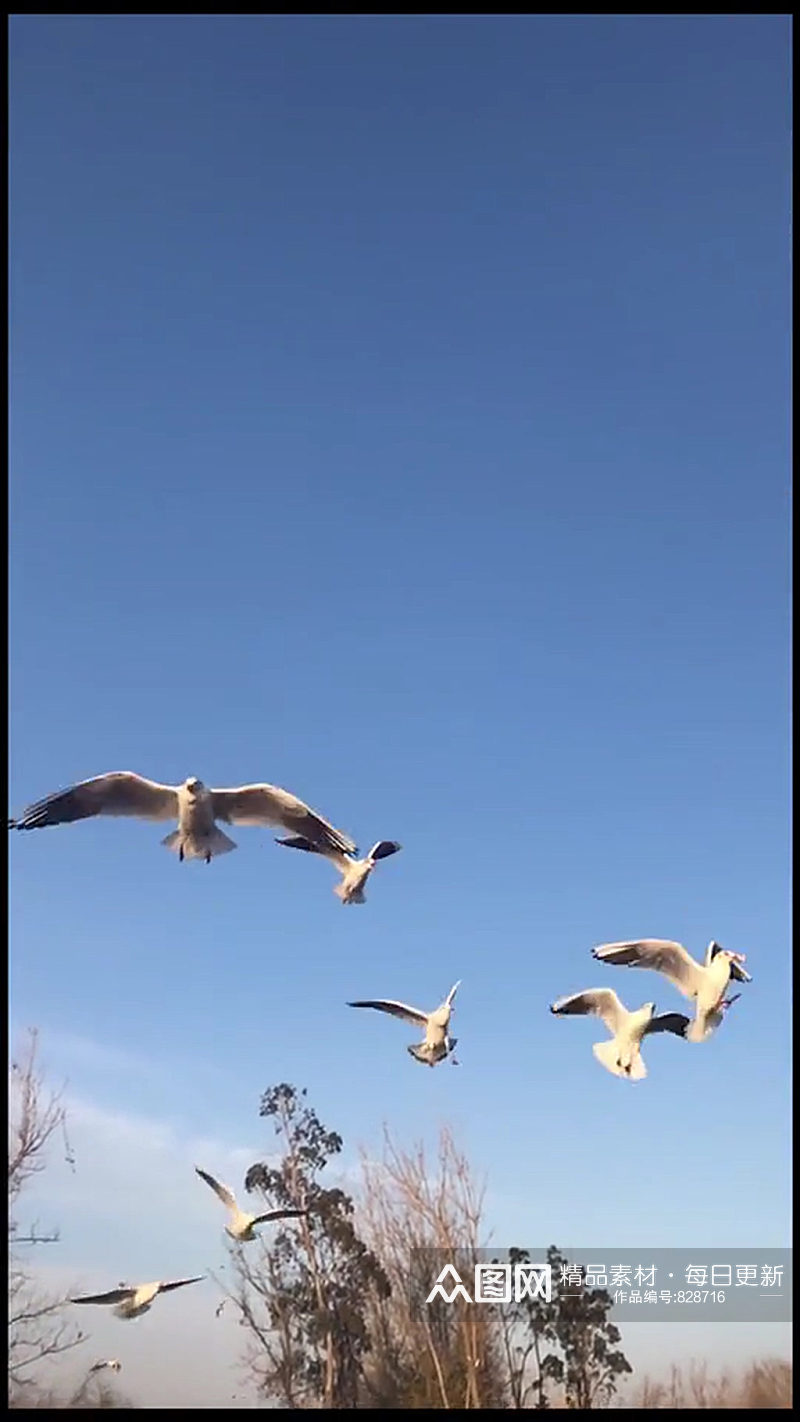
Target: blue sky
400 414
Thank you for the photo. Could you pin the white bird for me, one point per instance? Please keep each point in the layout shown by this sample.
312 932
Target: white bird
192 804
704 983
438 1043
622 1055
113 1363
134 1299
240 1225
354 872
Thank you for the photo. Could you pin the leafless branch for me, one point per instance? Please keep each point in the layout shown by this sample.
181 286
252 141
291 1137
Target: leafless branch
36 1329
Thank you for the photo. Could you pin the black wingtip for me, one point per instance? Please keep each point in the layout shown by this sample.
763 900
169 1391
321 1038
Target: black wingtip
298 841
385 847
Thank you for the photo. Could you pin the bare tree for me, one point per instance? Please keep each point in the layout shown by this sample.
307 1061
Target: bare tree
37 1330
98 1397
417 1210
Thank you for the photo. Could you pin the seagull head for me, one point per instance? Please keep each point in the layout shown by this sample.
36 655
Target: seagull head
729 956
194 785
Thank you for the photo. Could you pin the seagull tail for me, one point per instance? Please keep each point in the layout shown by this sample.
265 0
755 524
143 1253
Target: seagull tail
219 843
348 895
417 1051
199 848
701 1028
607 1053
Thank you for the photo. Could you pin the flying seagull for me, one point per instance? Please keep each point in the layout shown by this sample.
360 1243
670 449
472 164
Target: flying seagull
704 983
113 1363
193 805
134 1299
354 872
622 1055
438 1043
241 1225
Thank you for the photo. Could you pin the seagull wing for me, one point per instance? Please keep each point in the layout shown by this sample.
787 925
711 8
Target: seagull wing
661 955
675 1022
112 1297
595 1002
269 805
384 848
397 1009
448 1002
120 793
225 1194
297 841
178 1284
279 1215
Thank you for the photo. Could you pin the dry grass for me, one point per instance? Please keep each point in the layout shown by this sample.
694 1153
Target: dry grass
766 1384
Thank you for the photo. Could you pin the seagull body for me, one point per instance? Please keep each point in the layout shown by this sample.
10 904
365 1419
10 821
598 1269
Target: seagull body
705 983
192 804
113 1363
621 1056
701 1031
240 1225
354 872
438 1043
131 1300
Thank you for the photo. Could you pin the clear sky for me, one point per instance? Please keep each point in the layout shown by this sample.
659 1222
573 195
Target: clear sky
400 414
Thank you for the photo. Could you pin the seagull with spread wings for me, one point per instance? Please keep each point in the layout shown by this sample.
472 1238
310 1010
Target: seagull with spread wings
622 1055
132 1300
438 1043
240 1225
354 872
705 983
192 804
113 1364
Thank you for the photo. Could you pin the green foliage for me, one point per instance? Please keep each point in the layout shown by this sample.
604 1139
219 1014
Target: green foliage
569 1341
320 1272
